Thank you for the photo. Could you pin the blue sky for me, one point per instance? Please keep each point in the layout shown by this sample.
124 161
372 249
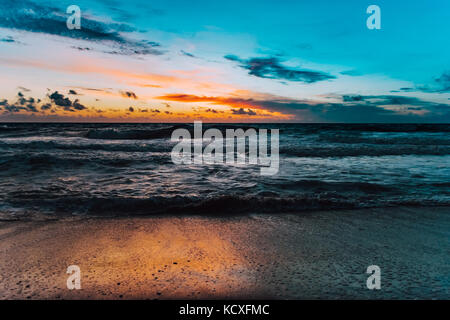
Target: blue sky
256 61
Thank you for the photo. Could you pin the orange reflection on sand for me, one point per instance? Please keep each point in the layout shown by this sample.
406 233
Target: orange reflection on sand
167 257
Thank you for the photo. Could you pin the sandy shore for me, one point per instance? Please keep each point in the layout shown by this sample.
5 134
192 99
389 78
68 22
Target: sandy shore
308 255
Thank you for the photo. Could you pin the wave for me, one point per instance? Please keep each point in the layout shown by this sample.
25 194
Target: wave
218 205
119 147
372 127
342 186
289 148
363 150
132 134
391 140
24 162
227 204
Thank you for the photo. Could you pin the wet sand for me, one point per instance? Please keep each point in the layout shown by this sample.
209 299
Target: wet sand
317 255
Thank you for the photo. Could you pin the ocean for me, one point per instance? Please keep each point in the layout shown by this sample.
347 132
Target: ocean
126 170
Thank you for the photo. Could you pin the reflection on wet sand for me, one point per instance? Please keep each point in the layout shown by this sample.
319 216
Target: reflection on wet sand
129 258
305 255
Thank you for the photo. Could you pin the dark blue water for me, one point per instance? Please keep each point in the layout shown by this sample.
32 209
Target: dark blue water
126 169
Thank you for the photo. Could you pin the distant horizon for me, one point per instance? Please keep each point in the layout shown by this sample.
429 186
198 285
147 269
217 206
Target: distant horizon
232 123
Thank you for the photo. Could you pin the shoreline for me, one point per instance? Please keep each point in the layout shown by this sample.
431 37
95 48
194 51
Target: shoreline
310 255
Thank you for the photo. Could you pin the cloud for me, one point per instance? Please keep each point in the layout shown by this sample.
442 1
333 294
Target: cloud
77 105
24 89
59 100
29 16
128 94
354 108
383 100
187 54
82 48
349 98
46 106
444 81
241 111
21 104
8 39
271 68
440 84
405 89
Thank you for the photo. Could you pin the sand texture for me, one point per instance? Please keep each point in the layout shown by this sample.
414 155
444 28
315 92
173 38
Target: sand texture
298 256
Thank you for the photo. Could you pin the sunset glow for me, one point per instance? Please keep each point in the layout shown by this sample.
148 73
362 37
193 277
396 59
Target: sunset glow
254 70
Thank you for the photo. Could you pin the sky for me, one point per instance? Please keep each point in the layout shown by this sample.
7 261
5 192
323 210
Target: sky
225 61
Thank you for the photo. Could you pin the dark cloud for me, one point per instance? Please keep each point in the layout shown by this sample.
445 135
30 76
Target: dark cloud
187 54
380 100
60 100
37 17
440 84
46 106
128 94
22 104
406 89
241 111
8 39
444 81
13 108
153 44
31 107
78 106
352 98
82 48
356 108
24 107
271 68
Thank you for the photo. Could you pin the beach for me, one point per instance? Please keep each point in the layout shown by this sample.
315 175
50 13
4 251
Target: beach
309 255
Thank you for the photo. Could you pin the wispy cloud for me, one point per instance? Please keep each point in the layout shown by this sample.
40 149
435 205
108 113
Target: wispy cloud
440 84
272 68
35 17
